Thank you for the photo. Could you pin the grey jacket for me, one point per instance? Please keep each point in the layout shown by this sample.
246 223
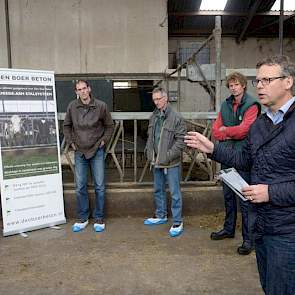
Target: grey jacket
171 141
88 125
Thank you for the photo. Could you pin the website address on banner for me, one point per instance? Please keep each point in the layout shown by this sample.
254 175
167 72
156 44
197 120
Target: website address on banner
32 219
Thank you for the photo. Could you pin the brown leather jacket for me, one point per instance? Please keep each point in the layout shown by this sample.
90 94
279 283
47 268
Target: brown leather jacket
88 125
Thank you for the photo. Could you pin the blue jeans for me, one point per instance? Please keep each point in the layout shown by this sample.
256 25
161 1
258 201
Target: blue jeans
172 177
96 164
275 255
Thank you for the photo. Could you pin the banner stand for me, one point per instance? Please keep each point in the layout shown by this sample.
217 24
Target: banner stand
30 166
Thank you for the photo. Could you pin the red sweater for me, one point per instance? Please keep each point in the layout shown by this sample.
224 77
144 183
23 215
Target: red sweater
221 132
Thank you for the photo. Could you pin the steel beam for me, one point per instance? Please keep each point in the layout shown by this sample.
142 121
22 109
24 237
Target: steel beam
217 36
250 17
272 23
8 42
146 115
226 13
281 27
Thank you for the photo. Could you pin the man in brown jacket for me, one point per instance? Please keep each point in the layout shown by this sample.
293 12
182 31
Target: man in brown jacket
88 126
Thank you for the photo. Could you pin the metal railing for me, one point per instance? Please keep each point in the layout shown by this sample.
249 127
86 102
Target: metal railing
118 136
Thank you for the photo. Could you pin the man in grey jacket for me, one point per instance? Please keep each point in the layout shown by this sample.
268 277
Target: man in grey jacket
164 147
88 126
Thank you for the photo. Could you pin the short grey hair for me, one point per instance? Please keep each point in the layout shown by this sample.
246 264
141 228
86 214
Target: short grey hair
161 90
287 67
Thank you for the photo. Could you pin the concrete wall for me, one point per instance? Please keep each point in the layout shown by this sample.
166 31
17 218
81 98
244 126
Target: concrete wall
249 52
88 36
138 202
243 55
3 43
195 99
113 36
233 55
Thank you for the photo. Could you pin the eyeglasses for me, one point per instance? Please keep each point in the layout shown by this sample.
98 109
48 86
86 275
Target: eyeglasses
266 81
157 98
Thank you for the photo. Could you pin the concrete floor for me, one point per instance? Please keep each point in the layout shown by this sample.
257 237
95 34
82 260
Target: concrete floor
128 258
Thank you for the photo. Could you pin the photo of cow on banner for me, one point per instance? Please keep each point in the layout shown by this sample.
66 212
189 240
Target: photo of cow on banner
27 130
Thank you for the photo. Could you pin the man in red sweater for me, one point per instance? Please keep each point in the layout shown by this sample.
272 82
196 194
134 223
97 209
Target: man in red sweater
233 122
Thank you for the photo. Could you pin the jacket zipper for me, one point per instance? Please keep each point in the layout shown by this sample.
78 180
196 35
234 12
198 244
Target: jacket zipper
161 133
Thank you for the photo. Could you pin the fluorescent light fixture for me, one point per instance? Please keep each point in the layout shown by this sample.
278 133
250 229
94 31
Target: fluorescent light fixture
125 84
121 85
288 5
213 4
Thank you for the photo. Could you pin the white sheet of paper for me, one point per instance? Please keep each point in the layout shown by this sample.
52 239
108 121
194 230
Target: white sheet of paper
234 180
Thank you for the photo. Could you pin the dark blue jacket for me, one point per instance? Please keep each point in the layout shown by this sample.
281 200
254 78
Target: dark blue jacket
270 157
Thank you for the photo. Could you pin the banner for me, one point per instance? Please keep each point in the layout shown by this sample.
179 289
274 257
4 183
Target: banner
30 169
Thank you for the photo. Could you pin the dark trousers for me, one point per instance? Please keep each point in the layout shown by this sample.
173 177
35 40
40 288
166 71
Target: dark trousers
231 209
275 255
230 204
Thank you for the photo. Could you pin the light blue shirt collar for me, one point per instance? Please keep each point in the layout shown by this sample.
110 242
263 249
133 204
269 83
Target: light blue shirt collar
279 115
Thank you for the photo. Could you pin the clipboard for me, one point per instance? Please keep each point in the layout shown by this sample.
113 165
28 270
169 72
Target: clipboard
234 181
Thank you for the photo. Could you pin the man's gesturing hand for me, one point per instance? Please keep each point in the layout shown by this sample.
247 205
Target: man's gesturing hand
199 141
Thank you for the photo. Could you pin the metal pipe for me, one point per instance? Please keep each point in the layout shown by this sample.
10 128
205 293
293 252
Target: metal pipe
212 92
8 43
217 35
194 55
179 67
123 150
281 26
146 115
178 89
167 86
248 21
272 23
225 13
135 150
